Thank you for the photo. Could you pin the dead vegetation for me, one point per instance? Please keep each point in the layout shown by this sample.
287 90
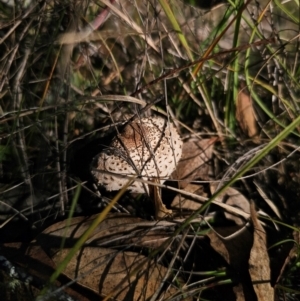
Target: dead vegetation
74 74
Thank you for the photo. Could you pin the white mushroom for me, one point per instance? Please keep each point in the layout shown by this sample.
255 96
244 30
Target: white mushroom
149 148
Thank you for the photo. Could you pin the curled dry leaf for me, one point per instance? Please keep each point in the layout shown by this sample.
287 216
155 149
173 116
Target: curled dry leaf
193 163
235 250
245 115
233 198
246 253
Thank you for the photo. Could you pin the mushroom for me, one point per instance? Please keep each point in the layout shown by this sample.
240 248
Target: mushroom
148 148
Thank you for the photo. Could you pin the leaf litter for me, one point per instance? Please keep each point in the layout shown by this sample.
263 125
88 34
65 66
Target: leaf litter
140 236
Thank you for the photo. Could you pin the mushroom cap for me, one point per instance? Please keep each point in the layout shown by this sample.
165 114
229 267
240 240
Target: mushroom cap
148 148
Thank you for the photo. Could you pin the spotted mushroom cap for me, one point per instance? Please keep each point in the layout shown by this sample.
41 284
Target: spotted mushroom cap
149 147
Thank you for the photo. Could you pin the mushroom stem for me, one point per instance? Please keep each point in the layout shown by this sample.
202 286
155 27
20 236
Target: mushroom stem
161 210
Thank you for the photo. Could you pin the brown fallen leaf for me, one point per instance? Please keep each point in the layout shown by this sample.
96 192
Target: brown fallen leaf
105 270
235 250
116 229
245 115
99 270
270 203
233 198
181 202
122 275
193 163
259 261
247 255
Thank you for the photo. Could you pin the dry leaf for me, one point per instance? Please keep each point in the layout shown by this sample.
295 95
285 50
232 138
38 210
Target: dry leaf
181 202
259 262
235 251
193 163
245 115
233 198
201 199
121 275
267 199
116 229
127 275
247 254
